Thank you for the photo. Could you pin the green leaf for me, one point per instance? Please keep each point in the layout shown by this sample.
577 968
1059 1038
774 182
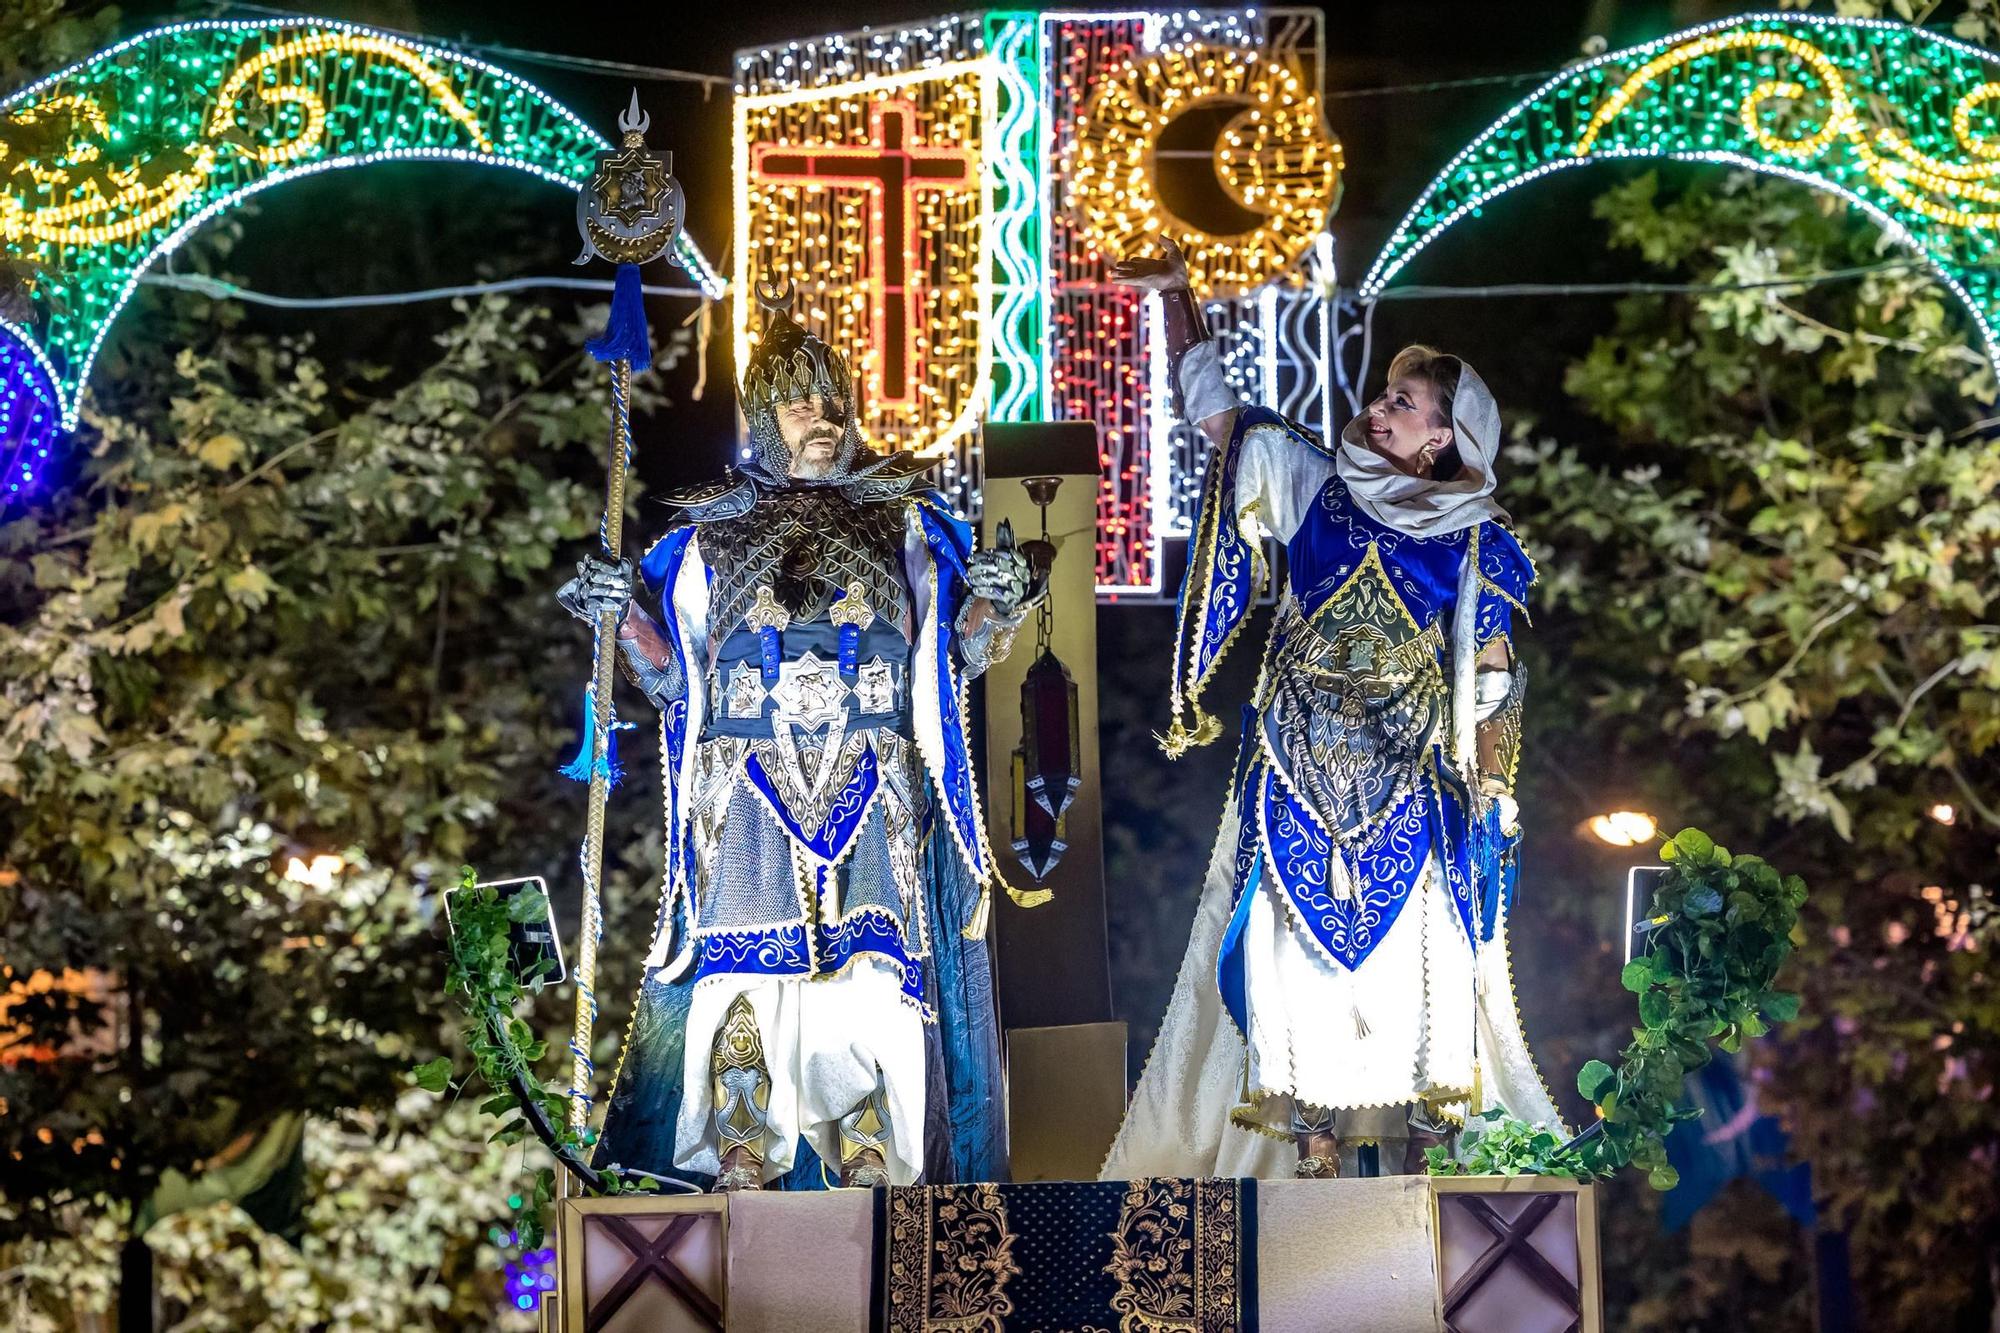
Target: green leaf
1703 901
433 1075
1594 1079
1694 845
1663 1177
1637 975
1781 1006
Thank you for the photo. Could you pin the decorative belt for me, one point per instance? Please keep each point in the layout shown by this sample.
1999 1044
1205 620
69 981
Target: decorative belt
1359 658
809 691
849 668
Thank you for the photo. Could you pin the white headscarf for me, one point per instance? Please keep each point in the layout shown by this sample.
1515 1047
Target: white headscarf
1419 506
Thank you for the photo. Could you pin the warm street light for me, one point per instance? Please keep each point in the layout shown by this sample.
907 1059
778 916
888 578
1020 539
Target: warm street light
1623 828
1944 814
316 874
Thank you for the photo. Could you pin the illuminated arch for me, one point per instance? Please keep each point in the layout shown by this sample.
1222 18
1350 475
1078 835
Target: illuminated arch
112 163
1900 121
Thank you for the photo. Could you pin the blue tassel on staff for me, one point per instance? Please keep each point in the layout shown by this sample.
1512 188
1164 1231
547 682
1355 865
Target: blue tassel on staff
625 337
579 769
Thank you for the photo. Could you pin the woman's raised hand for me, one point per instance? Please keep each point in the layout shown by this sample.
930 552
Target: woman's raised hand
1167 273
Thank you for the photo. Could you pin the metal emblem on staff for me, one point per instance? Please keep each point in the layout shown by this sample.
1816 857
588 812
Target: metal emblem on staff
632 209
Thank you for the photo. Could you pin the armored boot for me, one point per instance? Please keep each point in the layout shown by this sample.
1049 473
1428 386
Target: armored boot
1319 1144
741 1086
1426 1132
864 1134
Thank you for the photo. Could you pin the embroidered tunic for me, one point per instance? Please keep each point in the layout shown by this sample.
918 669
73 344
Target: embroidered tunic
1348 962
1349 757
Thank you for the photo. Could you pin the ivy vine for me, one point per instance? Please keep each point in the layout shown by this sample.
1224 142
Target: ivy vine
1719 931
504 1049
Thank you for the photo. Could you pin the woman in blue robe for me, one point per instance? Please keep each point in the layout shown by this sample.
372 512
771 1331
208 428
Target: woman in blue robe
1346 980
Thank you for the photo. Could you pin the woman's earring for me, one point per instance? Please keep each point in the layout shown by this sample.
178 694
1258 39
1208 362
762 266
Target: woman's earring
1427 458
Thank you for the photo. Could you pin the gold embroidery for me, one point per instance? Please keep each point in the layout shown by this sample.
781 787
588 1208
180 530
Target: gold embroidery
950 1255
1175 1257
1184 694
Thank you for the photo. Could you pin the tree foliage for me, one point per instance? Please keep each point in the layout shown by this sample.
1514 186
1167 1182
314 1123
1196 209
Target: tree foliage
398 1233
1771 578
285 611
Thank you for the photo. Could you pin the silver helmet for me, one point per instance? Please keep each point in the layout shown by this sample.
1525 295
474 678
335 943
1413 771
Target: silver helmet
788 364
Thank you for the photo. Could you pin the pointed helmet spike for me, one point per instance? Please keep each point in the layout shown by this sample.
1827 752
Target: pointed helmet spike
774 297
632 120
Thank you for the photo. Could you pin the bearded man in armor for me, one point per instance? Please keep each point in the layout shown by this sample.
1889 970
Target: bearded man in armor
817 975
1346 982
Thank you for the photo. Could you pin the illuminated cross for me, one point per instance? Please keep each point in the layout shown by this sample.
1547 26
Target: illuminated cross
892 167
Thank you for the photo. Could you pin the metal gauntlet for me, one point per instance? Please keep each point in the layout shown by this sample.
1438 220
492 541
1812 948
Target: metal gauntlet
662 684
1497 697
980 648
1194 362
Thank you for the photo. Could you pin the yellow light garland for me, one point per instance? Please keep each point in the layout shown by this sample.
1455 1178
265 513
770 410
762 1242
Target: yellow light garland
1275 158
345 43
140 207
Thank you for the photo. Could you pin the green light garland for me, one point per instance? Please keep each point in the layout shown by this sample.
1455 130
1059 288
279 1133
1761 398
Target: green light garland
111 164
1014 211
1895 119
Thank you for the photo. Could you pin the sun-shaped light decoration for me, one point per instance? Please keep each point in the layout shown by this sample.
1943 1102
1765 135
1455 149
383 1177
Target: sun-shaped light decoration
1275 158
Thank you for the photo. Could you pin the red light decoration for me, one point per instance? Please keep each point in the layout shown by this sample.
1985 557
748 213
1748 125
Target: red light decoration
892 167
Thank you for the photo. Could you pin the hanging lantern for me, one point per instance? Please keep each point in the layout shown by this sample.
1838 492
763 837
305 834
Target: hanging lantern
1048 763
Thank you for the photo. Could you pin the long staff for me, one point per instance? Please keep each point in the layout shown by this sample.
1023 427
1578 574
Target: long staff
629 213
603 659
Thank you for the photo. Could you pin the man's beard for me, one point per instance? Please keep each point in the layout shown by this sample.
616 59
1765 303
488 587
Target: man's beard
807 466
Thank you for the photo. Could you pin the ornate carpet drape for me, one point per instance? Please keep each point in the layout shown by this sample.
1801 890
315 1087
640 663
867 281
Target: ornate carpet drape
1160 1253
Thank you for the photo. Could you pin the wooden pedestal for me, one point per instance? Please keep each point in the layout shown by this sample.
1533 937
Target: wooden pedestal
1482 1254
1517 1254
641 1264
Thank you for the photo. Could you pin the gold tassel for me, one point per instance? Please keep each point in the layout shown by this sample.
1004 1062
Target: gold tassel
1180 739
1474 1108
1028 897
975 929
